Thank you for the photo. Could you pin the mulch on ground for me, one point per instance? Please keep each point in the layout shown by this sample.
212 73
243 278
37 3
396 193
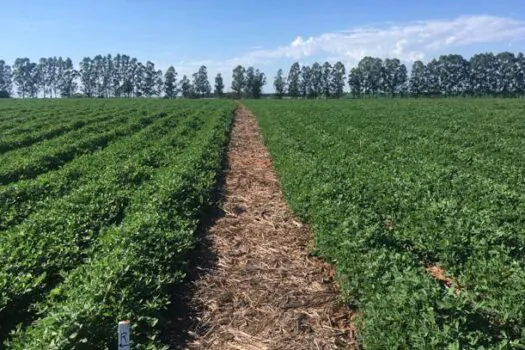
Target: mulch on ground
265 291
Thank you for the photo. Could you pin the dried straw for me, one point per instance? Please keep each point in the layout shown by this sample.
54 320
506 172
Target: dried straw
265 290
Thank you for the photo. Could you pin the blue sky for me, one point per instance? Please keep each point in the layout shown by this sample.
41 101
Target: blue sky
265 33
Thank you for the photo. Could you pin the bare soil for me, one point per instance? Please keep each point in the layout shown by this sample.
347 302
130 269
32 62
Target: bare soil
264 291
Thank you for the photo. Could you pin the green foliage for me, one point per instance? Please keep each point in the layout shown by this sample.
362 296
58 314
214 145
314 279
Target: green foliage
393 186
16 140
238 80
27 163
103 237
18 200
279 84
201 85
219 86
170 83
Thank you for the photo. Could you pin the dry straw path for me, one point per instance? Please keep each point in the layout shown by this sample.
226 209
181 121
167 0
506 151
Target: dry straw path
265 290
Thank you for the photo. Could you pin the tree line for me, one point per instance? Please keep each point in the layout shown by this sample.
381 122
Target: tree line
484 74
118 76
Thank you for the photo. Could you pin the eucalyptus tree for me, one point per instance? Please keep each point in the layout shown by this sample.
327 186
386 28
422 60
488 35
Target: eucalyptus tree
433 78
326 80
87 77
279 84
249 79
67 77
6 83
159 83
117 76
305 84
201 84
139 80
371 69
483 77
103 71
107 71
337 83
394 77
129 69
453 73
219 86
170 82
43 77
506 73
186 88
255 80
149 80
418 84
355 79
25 77
520 76
316 80
294 80
238 80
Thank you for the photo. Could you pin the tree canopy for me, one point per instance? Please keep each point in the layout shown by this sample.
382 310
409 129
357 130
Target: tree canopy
484 74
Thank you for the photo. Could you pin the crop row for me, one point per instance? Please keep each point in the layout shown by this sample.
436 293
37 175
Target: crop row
27 139
130 267
56 238
22 117
18 200
394 187
27 163
48 116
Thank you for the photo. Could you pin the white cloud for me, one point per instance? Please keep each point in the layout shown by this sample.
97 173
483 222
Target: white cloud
410 41
407 41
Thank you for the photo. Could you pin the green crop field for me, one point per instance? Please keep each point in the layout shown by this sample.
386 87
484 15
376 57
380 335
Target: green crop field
99 203
393 188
